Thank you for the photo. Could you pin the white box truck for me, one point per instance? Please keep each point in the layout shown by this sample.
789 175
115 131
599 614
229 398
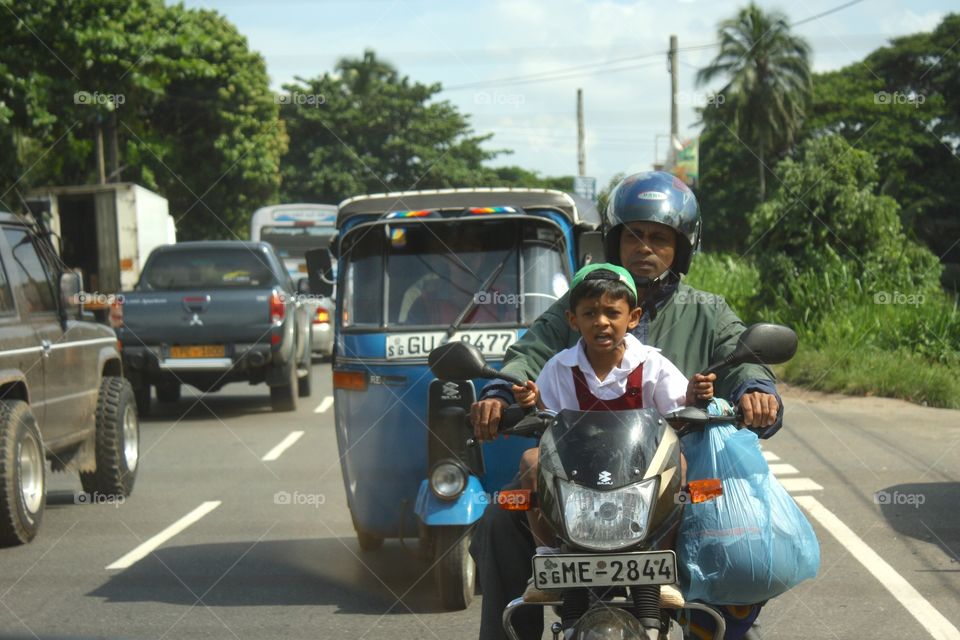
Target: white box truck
106 231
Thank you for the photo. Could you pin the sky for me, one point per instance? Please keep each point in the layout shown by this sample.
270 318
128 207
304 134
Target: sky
478 49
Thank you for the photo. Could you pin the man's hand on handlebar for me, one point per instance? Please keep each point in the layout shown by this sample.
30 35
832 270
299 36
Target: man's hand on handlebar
759 409
485 416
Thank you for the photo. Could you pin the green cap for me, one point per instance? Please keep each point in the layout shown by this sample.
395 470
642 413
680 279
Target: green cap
604 271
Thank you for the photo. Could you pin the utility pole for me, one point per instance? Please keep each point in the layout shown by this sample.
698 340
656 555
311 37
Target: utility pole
674 88
101 164
581 151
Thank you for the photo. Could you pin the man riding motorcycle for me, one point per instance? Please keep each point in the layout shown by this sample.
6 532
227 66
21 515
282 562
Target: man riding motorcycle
653 231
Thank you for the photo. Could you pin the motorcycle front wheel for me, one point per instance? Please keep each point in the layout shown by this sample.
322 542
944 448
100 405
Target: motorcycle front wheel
455 570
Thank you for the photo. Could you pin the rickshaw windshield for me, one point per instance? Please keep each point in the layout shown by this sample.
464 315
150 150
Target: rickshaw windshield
418 273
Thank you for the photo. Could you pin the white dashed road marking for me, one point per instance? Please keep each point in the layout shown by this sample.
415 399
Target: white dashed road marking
325 404
285 444
150 545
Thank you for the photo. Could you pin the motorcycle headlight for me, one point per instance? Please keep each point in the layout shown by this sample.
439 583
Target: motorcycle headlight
447 480
607 520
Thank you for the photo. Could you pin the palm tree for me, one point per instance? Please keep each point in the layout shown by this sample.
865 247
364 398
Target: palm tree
768 81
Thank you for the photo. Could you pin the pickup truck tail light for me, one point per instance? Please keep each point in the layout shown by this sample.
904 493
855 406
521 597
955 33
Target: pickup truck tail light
322 316
278 310
116 313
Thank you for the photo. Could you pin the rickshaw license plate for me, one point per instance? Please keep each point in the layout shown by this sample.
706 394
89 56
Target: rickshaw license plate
419 345
198 351
604 570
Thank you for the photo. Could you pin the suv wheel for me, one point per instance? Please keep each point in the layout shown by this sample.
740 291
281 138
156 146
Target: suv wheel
118 440
23 493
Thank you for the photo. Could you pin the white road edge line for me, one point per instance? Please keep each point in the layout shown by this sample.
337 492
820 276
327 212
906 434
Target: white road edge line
769 456
148 547
918 606
285 444
325 404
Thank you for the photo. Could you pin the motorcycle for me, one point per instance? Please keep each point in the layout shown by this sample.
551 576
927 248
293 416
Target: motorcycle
609 484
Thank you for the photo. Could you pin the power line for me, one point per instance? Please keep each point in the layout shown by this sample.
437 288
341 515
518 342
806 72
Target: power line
577 71
826 13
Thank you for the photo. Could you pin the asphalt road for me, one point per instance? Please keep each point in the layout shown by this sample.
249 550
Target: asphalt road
269 551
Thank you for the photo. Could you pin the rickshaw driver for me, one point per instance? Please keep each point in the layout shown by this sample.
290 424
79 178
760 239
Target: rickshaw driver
654 230
457 268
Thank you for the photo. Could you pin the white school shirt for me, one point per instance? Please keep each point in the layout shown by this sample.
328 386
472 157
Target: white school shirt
664 387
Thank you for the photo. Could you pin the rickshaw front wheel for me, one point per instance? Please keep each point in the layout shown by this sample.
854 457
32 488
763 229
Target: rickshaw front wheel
455 571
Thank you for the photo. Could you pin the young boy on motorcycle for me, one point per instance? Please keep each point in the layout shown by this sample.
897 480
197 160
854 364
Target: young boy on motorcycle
607 370
653 226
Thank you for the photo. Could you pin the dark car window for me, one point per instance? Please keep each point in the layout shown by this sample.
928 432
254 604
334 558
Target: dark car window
208 269
37 288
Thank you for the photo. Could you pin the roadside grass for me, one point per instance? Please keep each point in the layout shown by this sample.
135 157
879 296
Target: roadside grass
853 339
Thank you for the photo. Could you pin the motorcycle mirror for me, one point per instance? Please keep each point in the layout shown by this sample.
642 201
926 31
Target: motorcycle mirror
461 361
762 343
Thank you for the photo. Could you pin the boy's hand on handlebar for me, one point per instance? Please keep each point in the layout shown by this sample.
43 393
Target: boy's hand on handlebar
485 417
759 409
527 396
700 387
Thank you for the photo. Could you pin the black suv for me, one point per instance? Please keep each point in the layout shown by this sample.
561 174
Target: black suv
63 397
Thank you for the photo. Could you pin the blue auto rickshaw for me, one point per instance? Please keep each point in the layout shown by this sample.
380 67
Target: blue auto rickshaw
416 269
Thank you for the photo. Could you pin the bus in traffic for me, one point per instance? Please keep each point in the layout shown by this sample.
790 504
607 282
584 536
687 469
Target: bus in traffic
292 229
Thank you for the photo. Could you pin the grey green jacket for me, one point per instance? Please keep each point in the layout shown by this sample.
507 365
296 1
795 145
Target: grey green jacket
692 329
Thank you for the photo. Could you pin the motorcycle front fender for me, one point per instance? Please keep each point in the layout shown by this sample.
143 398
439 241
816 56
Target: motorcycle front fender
465 510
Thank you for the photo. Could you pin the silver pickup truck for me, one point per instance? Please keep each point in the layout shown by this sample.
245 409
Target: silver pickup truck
209 313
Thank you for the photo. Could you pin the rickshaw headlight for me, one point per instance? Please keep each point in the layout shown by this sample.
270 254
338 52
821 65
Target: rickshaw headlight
447 480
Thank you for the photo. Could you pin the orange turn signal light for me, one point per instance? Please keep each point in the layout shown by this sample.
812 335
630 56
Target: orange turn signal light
704 490
351 380
322 316
515 499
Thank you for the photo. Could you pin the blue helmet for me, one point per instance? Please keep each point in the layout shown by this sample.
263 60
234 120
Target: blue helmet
654 196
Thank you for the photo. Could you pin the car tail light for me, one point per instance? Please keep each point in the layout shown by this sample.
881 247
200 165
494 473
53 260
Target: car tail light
116 313
278 311
322 316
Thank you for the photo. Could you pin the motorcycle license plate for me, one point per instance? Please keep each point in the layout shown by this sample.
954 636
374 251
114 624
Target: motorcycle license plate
419 345
604 570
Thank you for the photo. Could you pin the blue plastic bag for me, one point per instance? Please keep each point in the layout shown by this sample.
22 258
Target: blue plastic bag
750 544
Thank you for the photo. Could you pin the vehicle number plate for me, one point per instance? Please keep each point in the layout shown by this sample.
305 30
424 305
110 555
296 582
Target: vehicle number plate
198 351
419 345
604 570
